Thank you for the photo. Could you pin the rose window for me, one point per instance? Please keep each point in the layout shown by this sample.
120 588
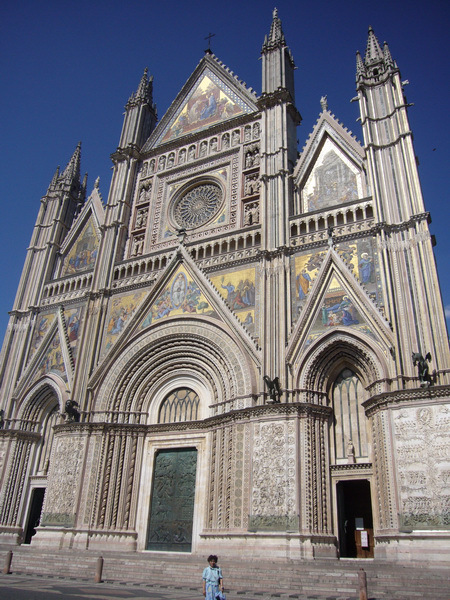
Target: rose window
198 205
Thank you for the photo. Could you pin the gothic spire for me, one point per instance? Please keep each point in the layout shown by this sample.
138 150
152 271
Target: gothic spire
276 37
144 93
72 171
387 56
378 63
54 180
360 68
373 49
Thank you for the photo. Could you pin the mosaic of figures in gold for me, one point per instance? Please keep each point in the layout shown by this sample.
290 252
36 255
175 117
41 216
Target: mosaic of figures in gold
238 290
73 321
52 361
360 257
338 309
121 310
208 105
181 296
43 323
83 253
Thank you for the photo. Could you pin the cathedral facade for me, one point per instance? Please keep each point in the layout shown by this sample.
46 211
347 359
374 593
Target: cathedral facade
243 346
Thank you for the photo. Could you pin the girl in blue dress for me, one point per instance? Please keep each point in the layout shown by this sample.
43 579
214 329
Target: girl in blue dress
212 579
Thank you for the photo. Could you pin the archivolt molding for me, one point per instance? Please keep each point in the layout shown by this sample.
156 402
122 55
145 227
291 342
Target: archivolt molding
175 349
32 405
334 352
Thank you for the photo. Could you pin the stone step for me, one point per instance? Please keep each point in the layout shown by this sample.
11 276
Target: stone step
322 579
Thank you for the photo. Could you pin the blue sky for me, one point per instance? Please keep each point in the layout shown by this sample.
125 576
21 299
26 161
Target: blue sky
68 69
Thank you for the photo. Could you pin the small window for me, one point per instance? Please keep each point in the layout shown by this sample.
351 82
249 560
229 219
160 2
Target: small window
180 405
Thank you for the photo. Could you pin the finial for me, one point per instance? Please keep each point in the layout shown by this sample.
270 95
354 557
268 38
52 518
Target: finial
324 103
97 183
208 37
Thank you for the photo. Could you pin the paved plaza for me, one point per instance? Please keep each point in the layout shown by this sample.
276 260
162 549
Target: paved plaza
24 587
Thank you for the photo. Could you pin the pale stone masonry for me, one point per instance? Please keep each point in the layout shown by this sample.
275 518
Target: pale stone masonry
136 415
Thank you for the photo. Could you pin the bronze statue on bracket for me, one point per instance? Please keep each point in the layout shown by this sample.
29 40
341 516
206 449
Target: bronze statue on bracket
422 368
273 385
72 414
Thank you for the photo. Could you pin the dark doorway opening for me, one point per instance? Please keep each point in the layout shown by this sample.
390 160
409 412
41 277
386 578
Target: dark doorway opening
34 514
355 519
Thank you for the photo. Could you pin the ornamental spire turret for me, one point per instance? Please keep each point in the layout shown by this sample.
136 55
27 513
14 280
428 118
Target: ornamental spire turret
140 115
388 61
277 62
378 62
144 93
72 171
276 37
360 68
373 49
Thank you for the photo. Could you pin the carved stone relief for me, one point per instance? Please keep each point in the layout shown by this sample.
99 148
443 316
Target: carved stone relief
251 184
423 462
273 481
141 218
65 465
137 246
251 214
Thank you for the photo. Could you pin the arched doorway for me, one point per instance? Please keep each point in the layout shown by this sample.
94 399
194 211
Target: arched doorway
350 456
43 410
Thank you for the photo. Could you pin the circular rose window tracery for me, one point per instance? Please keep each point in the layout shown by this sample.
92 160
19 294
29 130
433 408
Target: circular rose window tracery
198 205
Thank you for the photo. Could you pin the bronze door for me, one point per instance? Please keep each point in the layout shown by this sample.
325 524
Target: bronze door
172 500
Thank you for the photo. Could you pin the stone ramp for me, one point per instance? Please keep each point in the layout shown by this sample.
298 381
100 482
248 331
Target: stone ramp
321 579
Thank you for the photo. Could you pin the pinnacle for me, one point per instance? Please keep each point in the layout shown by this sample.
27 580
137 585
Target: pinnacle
144 91
360 68
373 49
276 35
72 171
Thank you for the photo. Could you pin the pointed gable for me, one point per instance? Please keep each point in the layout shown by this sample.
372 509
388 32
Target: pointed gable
329 171
337 300
210 96
80 248
181 291
54 354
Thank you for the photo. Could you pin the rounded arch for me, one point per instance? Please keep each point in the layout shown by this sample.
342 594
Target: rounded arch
333 353
201 352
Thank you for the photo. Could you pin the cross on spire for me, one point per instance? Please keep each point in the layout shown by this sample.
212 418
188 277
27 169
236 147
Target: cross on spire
208 37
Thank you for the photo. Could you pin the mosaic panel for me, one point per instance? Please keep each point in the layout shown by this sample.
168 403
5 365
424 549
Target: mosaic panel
210 102
333 180
73 321
43 323
83 253
238 290
52 361
121 310
338 310
181 296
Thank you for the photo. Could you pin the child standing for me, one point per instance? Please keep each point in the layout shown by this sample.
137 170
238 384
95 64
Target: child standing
212 578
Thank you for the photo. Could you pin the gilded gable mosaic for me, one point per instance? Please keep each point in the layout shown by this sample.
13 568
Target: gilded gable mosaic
210 102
